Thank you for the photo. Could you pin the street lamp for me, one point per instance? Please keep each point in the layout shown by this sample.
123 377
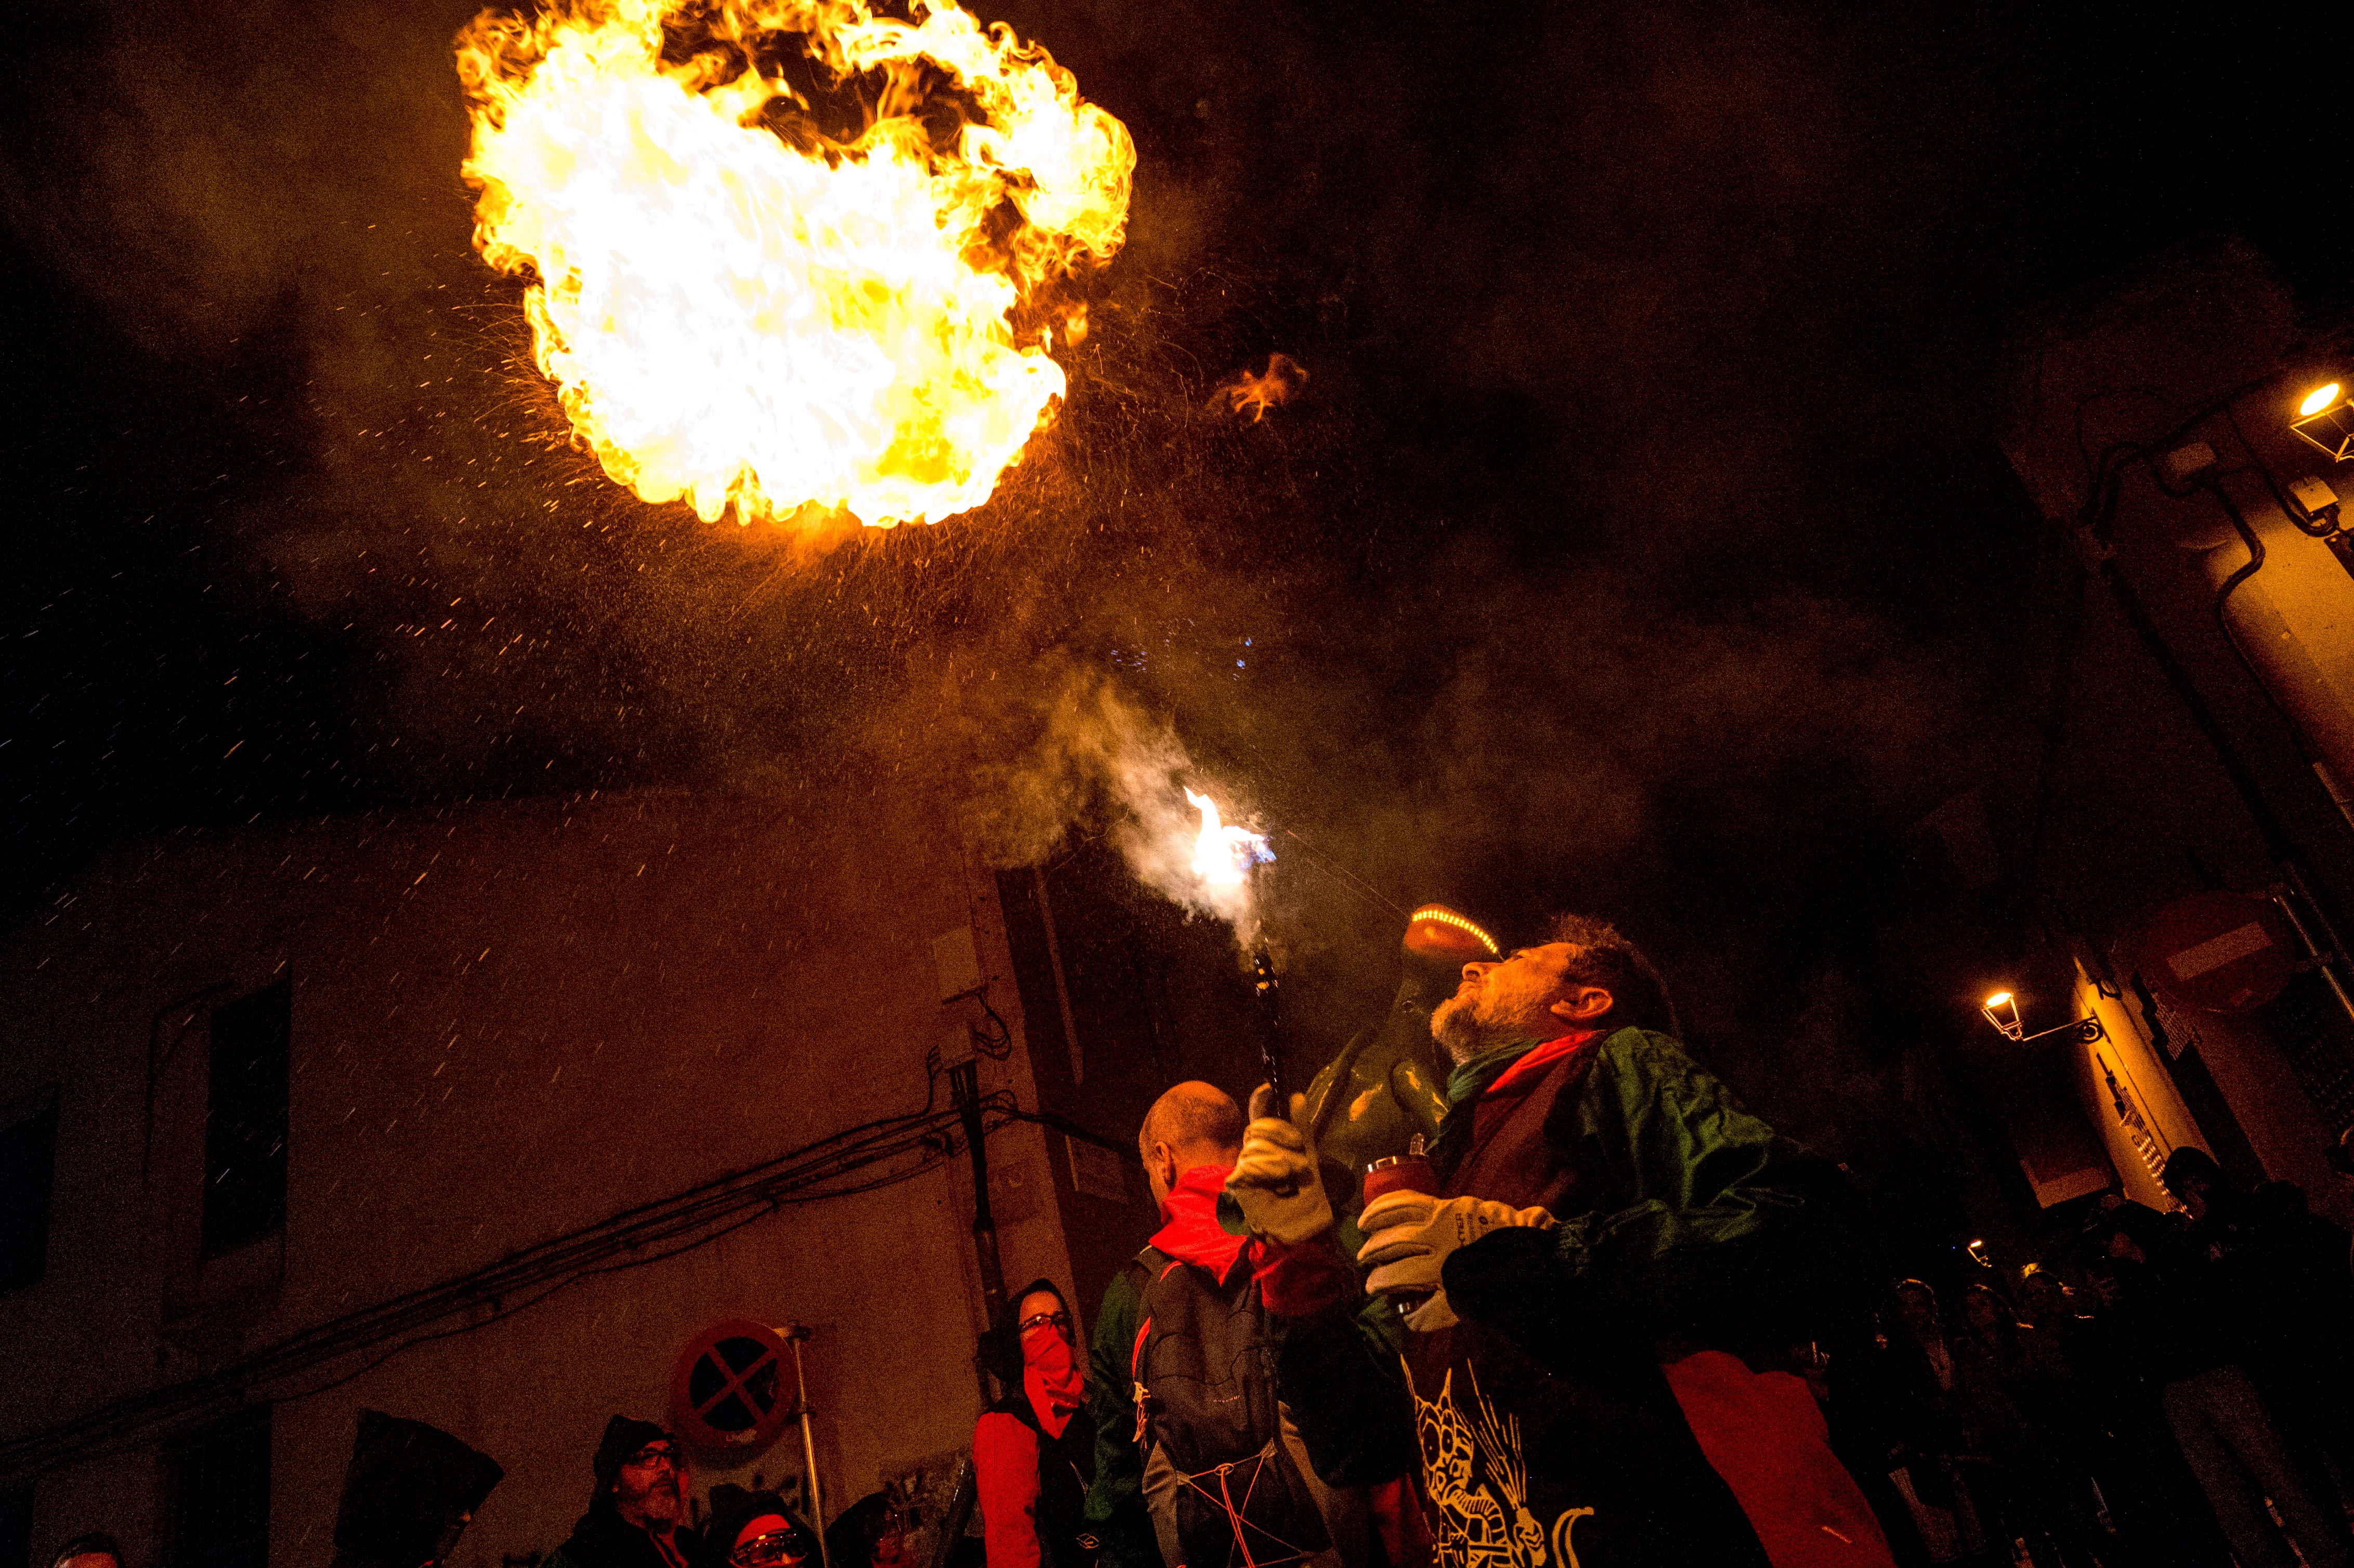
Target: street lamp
2002 1010
2325 418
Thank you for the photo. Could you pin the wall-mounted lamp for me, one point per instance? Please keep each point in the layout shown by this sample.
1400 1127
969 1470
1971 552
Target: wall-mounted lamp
2326 419
2002 1010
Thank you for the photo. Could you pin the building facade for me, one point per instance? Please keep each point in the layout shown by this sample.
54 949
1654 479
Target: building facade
2191 719
480 1116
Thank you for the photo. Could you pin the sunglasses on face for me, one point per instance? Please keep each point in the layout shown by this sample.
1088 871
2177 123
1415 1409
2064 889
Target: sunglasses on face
770 1550
647 1456
1059 1321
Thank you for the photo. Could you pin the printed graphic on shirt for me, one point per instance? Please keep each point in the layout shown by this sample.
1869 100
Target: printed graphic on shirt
1477 1480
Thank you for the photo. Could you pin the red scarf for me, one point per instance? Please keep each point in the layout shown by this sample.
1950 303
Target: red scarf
1189 1222
1051 1377
1522 1075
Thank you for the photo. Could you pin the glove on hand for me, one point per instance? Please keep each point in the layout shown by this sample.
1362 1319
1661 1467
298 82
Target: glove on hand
1410 1235
1274 1180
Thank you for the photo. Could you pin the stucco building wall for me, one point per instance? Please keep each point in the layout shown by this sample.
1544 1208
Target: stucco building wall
510 1022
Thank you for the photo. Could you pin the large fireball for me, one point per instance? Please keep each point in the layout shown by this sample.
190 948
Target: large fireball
741 309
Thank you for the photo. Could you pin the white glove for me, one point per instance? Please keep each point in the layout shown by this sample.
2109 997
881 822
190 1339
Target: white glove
1410 1235
1274 1180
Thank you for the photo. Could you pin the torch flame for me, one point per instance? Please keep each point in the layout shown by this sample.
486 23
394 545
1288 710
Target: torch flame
740 310
1223 856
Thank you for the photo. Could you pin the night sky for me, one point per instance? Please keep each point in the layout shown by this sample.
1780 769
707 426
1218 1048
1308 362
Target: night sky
1639 539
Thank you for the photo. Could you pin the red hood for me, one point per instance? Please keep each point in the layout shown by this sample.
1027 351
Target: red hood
1189 1222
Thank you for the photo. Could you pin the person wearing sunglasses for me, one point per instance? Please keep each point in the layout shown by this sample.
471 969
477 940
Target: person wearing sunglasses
1033 1451
638 1518
750 1529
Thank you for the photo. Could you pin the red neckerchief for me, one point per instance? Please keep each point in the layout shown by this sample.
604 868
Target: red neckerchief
1189 1222
1516 1080
1521 1077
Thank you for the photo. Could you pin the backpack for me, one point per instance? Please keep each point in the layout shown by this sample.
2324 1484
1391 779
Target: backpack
1205 1407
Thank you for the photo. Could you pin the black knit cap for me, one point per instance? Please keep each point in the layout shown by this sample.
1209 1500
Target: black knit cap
625 1436
409 1489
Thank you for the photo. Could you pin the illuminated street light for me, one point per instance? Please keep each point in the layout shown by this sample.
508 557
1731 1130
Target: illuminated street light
2002 1010
2326 419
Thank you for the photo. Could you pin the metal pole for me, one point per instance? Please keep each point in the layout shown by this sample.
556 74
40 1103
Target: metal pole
794 1334
2321 960
964 1085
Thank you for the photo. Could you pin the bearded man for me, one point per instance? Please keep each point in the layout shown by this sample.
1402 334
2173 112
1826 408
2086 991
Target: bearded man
1603 1208
638 1518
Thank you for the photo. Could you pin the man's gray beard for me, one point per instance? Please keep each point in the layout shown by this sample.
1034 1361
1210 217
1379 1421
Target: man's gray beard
1458 1029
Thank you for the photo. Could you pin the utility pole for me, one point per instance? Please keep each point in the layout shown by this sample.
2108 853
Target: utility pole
964 1086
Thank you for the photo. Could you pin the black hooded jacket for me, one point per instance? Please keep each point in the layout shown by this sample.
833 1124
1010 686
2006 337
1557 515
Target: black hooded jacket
602 1538
409 1492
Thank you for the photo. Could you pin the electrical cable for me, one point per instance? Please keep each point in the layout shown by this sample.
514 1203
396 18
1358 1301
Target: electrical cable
2291 508
812 1173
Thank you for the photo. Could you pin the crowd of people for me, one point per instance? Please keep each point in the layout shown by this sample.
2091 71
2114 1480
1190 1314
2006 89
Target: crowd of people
1517 1283
2185 1403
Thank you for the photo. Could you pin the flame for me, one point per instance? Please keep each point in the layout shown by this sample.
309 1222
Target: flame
740 310
1223 856
1285 377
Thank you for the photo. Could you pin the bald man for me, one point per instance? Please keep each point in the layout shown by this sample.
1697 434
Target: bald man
1192 1126
1139 1507
1188 1143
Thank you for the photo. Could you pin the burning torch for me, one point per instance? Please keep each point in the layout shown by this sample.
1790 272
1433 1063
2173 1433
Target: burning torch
1270 1039
1227 860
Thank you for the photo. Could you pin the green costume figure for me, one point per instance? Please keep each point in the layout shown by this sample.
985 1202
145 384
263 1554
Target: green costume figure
1388 1085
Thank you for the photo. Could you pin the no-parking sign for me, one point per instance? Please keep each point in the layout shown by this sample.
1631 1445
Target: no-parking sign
729 1390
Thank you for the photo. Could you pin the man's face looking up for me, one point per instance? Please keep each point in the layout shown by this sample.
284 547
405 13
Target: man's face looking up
1526 995
650 1489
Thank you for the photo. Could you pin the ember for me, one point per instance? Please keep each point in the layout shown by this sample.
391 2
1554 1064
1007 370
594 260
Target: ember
1257 393
740 311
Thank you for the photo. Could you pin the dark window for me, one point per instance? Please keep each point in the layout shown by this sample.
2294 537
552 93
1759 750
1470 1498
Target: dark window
28 1148
245 1119
16 1528
221 1495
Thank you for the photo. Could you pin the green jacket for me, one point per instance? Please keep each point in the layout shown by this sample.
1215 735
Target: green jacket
1116 1513
1706 1229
